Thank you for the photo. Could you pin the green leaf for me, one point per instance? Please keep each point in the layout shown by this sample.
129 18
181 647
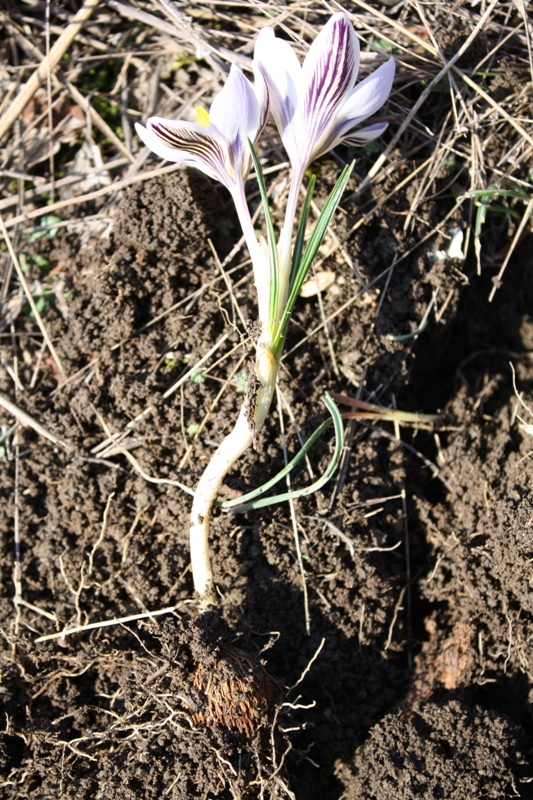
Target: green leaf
197 377
405 336
40 261
40 304
243 504
23 261
372 148
299 243
486 195
315 240
483 199
47 227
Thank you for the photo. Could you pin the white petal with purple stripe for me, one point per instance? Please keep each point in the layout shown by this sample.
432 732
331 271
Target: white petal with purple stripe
189 143
329 73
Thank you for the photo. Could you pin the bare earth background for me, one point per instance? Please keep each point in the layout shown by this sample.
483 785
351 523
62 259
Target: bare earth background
378 641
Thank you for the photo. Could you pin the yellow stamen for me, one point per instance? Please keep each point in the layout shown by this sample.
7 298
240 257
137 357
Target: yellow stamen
202 116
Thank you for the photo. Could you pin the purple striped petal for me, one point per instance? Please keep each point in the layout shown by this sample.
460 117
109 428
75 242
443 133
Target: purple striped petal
365 135
189 143
316 106
366 98
329 74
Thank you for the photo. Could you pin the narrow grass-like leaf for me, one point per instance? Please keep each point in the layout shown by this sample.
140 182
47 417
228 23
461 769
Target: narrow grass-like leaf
300 236
366 410
503 210
315 240
404 337
483 199
272 245
323 222
229 504
243 504
489 193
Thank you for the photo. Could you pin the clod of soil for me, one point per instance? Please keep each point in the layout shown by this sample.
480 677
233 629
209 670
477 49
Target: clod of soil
445 750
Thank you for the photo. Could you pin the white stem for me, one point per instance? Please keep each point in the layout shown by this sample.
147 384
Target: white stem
285 252
249 422
257 251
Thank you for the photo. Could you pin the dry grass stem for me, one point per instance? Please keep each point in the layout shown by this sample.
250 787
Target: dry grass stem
47 65
26 419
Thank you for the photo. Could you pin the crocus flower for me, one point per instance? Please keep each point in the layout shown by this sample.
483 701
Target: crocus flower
217 144
317 105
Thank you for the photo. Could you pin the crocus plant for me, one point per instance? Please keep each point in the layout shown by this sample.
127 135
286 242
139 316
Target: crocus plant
316 106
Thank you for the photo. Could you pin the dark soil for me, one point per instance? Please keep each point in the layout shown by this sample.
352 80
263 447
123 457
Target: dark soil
418 667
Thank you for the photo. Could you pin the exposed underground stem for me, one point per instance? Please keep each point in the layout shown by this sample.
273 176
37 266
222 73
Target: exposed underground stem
251 418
